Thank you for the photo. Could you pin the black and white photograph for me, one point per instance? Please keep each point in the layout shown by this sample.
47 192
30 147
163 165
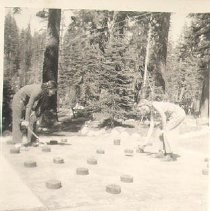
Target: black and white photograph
104 109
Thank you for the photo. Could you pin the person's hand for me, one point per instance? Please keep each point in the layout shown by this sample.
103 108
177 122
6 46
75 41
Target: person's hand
25 123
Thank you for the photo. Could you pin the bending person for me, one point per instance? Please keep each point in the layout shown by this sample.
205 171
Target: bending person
26 106
171 116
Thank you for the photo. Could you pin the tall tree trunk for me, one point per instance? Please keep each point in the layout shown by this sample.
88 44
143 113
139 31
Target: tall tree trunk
160 27
50 66
145 80
204 105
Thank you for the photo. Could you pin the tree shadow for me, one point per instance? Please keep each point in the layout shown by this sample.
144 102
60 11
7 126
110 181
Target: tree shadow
68 125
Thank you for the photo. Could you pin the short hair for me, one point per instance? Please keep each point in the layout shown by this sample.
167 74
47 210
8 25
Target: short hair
49 85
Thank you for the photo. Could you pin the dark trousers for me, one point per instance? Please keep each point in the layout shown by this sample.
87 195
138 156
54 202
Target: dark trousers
18 114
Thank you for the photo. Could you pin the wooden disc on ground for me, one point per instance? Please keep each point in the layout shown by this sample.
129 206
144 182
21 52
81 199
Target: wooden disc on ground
205 171
15 150
53 184
30 164
114 189
116 141
64 140
128 152
92 161
46 149
206 160
126 178
58 160
100 151
53 142
82 171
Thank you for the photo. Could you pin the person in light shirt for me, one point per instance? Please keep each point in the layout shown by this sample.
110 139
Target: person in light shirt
171 116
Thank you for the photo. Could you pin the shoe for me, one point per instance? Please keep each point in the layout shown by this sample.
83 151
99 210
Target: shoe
168 157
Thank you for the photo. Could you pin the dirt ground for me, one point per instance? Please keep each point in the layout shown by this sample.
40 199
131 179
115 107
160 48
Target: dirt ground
157 184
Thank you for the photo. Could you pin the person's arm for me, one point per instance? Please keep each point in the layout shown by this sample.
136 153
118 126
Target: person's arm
33 97
29 107
162 116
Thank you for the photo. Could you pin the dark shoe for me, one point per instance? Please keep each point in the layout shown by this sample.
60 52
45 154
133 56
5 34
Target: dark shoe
169 157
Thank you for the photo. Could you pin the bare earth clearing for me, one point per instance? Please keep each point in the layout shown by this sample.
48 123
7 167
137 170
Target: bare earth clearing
157 185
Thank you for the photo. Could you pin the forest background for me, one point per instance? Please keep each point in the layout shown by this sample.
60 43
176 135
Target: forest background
107 60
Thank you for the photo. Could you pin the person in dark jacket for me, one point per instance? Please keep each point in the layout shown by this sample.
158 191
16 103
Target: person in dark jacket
26 106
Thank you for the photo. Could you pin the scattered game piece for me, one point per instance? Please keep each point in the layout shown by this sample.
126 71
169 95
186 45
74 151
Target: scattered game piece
64 140
206 160
58 160
46 149
15 150
53 142
205 171
82 171
128 152
92 161
53 184
100 151
126 178
114 189
30 164
117 142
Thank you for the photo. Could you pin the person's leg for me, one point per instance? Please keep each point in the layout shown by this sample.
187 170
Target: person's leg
173 123
17 108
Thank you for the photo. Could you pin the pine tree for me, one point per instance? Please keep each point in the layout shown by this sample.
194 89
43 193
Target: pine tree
115 82
26 55
37 59
11 51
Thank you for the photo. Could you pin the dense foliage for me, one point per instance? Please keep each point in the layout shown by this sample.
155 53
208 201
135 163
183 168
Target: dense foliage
103 58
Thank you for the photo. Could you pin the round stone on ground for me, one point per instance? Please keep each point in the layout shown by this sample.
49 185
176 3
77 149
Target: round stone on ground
205 172
92 161
30 164
82 171
58 160
100 151
64 140
46 149
126 179
53 142
15 150
53 184
116 141
113 189
206 160
128 152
